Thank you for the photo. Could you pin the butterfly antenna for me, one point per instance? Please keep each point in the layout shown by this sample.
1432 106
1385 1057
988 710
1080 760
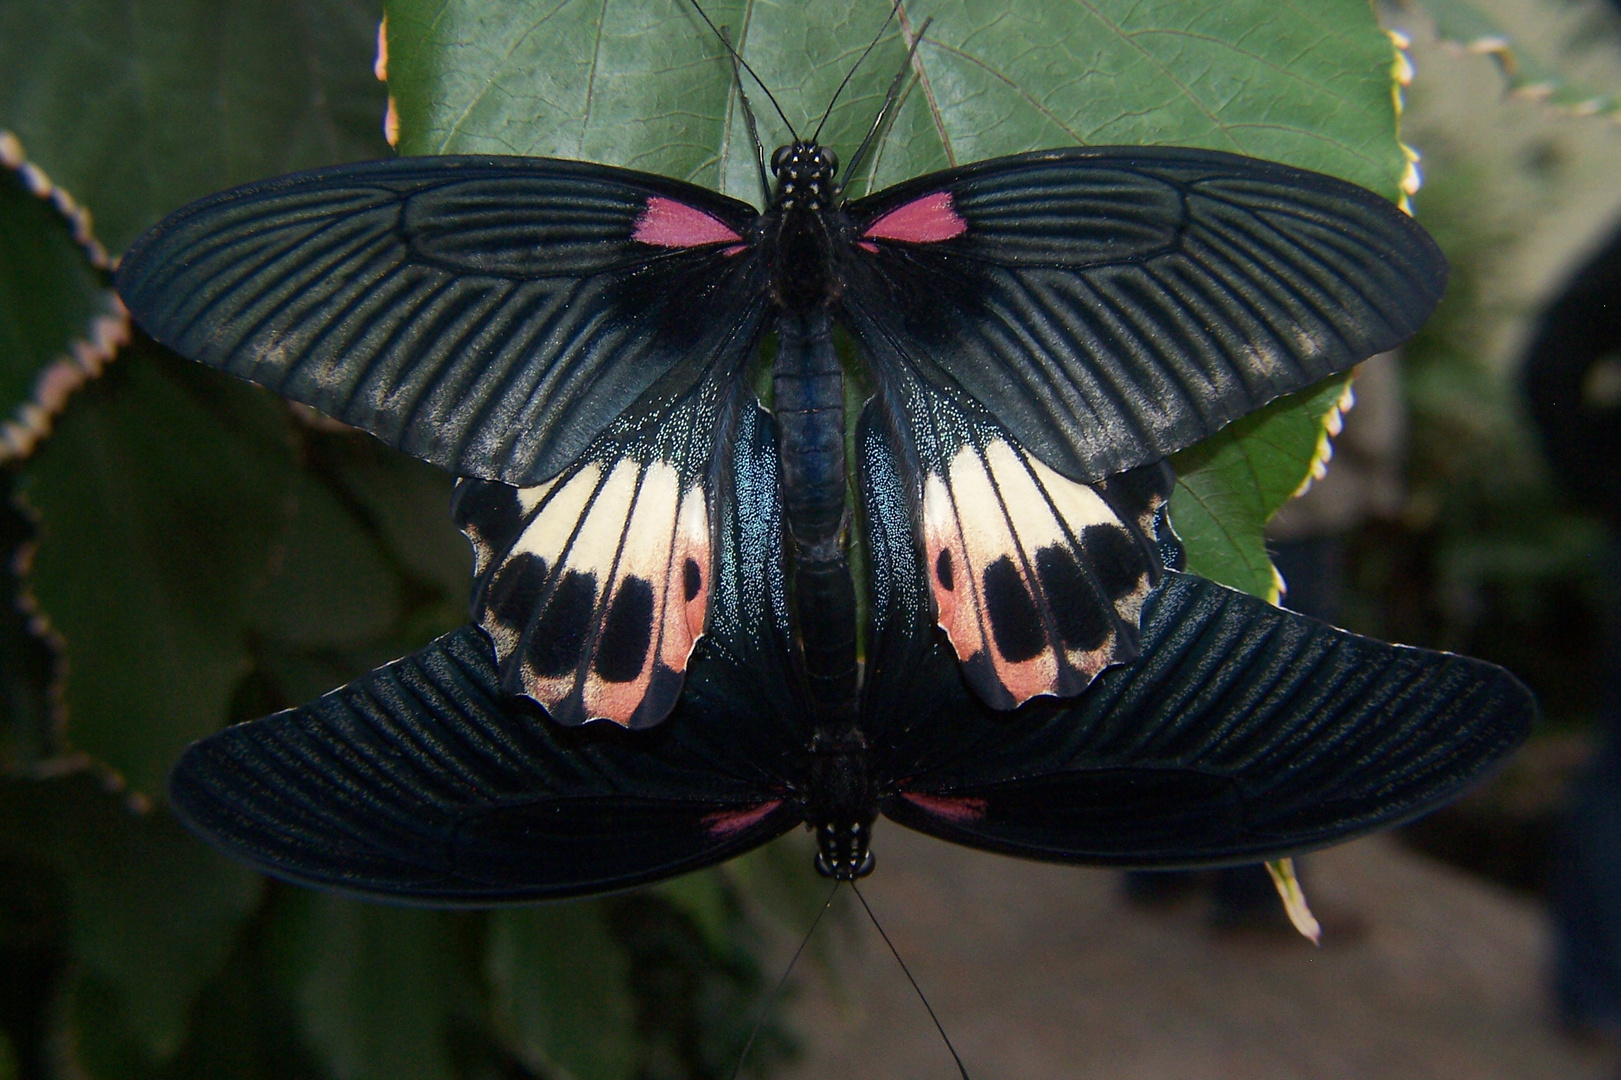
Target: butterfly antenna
771 1000
817 134
889 99
896 954
737 58
748 118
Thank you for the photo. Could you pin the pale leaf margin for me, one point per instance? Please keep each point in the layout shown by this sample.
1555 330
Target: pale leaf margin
85 355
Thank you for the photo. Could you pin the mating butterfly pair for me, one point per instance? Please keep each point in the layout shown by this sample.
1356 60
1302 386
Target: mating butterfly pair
1032 325
1037 677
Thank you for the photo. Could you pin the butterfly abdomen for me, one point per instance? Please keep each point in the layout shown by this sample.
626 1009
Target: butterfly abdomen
808 400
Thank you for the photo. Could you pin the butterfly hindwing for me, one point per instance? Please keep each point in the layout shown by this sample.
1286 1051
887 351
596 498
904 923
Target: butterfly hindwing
1037 580
490 315
1112 305
1241 732
1244 732
423 781
595 586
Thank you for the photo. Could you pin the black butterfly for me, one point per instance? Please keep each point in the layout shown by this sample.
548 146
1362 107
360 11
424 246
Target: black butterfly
1244 732
1031 324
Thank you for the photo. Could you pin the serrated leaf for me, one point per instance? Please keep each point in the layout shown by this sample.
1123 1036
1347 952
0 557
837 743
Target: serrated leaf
28 660
408 503
561 988
332 587
57 317
375 988
138 109
1228 486
1466 25
160 499
152 914
642 83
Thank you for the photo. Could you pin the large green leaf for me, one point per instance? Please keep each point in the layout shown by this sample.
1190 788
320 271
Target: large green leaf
376 989
642 83
161 499
561 984
1230 484
139 108
151 913
333 588
407 504
58 320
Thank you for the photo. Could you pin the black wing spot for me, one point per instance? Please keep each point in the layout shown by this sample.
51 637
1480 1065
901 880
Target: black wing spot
692 578
942 570
491 510
516 590
1135 492
628 631
1115 558
1081 621
558 637
1015 623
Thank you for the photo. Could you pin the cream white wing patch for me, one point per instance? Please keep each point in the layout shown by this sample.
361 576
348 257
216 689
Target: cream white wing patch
594 587
1038 580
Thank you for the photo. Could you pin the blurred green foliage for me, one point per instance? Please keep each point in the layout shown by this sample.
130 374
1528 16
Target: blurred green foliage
1489 557
188 551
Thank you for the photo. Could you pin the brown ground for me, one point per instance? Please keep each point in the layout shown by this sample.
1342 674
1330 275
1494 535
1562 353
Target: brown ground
1042 972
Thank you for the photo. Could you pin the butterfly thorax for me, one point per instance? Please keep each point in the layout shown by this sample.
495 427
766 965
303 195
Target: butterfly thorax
840 804
798 240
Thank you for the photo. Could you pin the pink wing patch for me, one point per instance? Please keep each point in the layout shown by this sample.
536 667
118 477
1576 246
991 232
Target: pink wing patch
731 822
958 808
921 221
668 223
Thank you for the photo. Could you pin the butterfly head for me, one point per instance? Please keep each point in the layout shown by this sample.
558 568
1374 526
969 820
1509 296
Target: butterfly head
805 173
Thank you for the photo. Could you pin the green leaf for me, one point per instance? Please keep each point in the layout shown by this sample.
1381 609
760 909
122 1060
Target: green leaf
1228 486
1464 24
8 1059
58 320
376 989
701 896
137 109
28 659
408 504
152 913
160 500
333 588
643 83
561 988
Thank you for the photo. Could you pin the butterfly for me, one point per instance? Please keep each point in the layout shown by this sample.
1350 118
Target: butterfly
1244 732
1031 326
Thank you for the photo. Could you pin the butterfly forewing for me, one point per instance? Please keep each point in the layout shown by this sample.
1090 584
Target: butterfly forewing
1110 306
1242 733
491 315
